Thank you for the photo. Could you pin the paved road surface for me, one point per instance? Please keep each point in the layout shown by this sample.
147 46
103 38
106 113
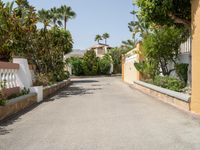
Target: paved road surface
101 114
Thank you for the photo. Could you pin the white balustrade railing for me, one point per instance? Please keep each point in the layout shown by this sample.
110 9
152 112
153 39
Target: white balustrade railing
8 73
186 46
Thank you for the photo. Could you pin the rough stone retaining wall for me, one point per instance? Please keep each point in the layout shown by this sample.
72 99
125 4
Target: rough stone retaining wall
177 99
49 90
17 104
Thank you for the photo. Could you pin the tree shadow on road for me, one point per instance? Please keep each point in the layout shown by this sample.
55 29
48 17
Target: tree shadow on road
84 81
72 90
13 119
4 131
76 89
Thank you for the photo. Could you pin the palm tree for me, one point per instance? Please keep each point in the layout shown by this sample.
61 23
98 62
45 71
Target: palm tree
105 37
129 44
66 13
98 38
9 6
44 17
55 16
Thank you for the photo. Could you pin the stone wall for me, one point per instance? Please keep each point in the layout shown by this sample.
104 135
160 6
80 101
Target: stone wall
49 90
176 99
17 104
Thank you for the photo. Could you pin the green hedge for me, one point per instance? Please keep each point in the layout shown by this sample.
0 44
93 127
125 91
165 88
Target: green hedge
77 66
90 64
182 72
105 65
167 82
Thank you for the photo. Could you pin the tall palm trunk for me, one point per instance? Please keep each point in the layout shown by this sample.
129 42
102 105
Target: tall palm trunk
54 22
65 23
45 27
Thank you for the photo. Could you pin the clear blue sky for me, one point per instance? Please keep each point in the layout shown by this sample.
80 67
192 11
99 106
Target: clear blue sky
94 17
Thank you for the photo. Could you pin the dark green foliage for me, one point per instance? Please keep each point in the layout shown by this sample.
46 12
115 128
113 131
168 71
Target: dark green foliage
182 72
116 55
140 66
44 79
25 91
2 95
4 98
77 66
138 27
90 63
17 28
2 102
148 69
166 12
167 82
162 47
47 54
67 75
105 64
43 48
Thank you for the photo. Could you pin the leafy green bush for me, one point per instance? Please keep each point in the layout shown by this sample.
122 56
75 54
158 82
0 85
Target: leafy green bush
43 79
167 82
67 74
25 91
182 72
4 98
116 55
2 95
162 46
90 63
44 48
105 64
77 66
148 69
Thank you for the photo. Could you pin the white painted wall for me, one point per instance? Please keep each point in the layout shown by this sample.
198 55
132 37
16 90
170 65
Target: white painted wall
111 68
39 91
186 59
23 76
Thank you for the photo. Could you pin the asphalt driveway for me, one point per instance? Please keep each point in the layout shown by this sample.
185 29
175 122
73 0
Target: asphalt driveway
101 113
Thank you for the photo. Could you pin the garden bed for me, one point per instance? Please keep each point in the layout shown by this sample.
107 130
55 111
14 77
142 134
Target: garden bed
15 105
177 99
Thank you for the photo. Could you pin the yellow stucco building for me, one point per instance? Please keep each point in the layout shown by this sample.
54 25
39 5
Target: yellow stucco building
195 101
129 75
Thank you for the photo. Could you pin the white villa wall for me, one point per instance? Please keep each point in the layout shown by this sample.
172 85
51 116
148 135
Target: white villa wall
24 77
184 57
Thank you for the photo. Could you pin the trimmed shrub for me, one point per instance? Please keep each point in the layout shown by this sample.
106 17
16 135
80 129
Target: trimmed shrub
90 63
43 79
77 66
167 82
105 64
162 46
148 69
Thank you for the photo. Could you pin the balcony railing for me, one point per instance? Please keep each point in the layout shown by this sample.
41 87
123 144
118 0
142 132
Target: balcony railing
186 47
8 73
